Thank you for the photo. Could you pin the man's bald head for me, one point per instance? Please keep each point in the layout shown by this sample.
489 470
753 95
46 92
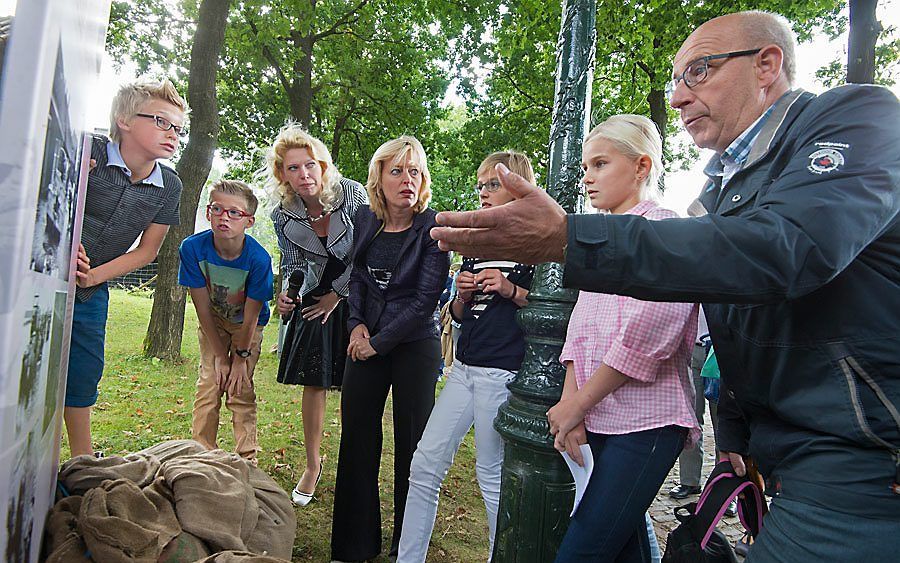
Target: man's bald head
753 29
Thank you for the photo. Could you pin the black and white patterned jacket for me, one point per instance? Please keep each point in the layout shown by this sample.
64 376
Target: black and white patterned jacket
301 247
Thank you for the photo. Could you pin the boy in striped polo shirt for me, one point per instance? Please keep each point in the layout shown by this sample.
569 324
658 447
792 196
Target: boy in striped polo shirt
129 195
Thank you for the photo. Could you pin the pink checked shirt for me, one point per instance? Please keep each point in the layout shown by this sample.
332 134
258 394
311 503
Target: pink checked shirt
649 342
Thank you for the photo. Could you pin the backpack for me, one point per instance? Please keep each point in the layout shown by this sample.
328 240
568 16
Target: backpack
696 539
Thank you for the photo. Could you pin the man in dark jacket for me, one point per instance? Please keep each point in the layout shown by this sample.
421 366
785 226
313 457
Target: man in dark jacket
797 263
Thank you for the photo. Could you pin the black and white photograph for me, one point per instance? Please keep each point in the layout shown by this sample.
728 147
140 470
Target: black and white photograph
20 510
37 324
57 199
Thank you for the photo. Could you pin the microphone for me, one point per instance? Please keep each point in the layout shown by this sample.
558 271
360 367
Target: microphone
295 282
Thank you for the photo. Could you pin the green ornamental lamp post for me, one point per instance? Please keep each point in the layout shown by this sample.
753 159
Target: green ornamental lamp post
537 490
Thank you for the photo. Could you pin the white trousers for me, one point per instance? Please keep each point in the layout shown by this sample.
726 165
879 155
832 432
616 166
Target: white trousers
471 395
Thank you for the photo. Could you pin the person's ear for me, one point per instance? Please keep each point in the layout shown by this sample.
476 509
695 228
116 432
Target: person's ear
769 65
643 167
250 221
123 124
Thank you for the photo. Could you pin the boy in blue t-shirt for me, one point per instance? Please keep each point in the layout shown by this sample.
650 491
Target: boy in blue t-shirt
229 275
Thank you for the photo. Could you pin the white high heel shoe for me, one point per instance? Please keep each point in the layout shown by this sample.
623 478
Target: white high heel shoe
299 497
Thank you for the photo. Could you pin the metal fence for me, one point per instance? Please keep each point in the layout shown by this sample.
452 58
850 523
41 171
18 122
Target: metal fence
142 277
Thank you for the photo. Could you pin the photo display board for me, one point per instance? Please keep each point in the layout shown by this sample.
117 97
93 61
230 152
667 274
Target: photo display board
50 56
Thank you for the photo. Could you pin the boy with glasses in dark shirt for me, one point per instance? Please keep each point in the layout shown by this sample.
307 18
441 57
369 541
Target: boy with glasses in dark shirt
129 195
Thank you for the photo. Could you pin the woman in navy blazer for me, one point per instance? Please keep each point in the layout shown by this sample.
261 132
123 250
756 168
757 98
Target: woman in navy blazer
398 275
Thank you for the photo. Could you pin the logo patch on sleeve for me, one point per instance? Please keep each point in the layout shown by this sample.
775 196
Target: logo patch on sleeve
825 160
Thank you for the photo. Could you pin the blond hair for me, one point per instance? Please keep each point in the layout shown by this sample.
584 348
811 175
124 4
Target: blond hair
131 98
236 188
515 161
394 152
293 136
635 136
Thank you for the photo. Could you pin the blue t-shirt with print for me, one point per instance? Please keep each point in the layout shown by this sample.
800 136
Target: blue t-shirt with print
229 282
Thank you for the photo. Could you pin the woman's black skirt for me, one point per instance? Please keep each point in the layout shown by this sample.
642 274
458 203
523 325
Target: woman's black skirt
314 354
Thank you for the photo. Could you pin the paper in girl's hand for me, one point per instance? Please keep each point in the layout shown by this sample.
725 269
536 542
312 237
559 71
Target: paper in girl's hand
581 474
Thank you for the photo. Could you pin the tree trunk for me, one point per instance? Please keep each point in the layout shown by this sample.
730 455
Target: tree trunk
659 111
339 125
300 92
164 333
660 116
864 30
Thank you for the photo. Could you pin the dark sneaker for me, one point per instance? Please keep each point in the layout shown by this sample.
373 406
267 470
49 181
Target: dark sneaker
742 546
684 491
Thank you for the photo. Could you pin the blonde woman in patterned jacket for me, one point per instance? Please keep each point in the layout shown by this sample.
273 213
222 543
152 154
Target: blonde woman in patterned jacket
314 225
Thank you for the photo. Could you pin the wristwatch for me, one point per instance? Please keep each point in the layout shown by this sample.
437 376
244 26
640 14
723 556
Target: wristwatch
242 353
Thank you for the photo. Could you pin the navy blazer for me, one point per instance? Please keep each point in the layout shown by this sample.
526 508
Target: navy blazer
404 310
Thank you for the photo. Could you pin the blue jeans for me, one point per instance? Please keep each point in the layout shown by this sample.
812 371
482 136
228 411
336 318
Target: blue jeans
796 531
609 524
86 349
655 552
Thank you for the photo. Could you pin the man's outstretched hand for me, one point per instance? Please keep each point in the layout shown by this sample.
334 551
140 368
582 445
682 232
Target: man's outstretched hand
530 230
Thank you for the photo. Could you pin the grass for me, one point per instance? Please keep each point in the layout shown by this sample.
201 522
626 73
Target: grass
144 401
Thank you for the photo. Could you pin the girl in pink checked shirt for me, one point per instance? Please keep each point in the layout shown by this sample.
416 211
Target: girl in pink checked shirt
627 391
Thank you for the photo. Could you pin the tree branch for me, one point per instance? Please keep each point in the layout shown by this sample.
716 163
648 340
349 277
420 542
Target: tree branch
351 16
269 55
522 93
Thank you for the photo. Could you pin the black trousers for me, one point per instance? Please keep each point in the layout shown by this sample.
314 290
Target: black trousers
408 371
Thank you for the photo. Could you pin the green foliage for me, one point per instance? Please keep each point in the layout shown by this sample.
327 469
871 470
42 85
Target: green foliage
887 63
636 42
358 72
452 169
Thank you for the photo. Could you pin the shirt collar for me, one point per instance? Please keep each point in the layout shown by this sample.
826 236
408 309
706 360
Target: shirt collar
642 207
737 152
114 158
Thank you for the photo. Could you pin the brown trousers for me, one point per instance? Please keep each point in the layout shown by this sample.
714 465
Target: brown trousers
208 398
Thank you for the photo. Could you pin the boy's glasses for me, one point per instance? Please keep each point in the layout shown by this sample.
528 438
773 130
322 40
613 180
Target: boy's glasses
491 186
697 71
233 213
165 124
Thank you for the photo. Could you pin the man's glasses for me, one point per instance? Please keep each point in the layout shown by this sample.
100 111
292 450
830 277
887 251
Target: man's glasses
165 124
491 186
697 71
233 213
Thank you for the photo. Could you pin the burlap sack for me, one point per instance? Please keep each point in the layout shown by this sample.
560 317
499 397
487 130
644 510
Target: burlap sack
164 451
64 543
241 557
121 523
277 524
84 472
223 505
72 550
213 498
186 548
